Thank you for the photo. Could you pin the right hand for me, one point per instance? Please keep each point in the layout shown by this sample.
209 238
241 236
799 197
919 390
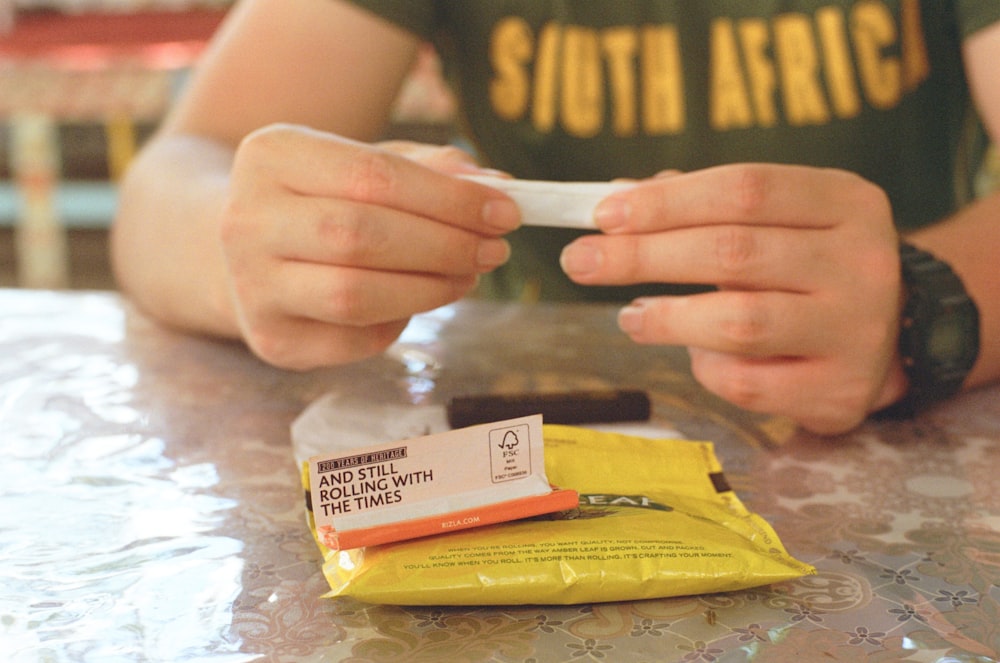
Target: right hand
331 245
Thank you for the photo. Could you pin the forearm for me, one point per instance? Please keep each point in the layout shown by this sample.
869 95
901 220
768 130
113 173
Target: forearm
969 243
165 242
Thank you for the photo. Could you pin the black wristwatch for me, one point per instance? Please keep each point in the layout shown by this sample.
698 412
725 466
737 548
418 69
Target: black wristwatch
939 332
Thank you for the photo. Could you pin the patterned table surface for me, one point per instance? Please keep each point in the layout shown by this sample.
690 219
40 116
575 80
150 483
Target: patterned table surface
150 508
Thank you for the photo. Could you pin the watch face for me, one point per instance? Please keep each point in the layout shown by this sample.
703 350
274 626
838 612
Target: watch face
948 339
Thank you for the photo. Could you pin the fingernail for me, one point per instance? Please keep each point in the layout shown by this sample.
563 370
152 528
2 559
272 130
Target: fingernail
630 318
492 172
492 253
502 214
580 258
611 213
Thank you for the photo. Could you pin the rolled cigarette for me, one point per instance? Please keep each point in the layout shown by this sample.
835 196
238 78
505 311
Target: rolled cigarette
554 204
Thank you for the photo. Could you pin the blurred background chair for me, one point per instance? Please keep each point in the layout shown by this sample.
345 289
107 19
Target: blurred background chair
78 82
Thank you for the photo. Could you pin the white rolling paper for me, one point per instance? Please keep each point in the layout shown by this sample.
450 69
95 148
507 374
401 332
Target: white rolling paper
554 204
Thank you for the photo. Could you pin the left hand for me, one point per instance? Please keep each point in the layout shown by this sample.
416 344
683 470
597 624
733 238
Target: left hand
805 318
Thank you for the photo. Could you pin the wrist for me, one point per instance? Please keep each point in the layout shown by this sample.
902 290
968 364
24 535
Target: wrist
894 387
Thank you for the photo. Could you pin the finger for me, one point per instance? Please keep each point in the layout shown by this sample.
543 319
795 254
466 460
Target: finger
357 297
313 163
358 235
443 158
736 256
755 194
304 344
794 387
748 323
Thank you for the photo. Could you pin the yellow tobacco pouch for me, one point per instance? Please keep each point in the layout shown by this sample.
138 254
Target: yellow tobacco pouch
656 519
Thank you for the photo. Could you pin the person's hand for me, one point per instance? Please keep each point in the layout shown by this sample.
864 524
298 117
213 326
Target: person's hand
332 245
805 317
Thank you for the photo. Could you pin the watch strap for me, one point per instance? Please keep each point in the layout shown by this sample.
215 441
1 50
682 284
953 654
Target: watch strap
934 293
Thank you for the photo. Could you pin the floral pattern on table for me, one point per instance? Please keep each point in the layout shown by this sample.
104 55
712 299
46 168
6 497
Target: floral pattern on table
169 460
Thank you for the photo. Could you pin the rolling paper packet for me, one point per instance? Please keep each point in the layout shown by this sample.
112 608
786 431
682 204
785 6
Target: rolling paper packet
656 519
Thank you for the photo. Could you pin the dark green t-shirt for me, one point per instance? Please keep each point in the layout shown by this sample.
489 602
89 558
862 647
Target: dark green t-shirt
597 89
